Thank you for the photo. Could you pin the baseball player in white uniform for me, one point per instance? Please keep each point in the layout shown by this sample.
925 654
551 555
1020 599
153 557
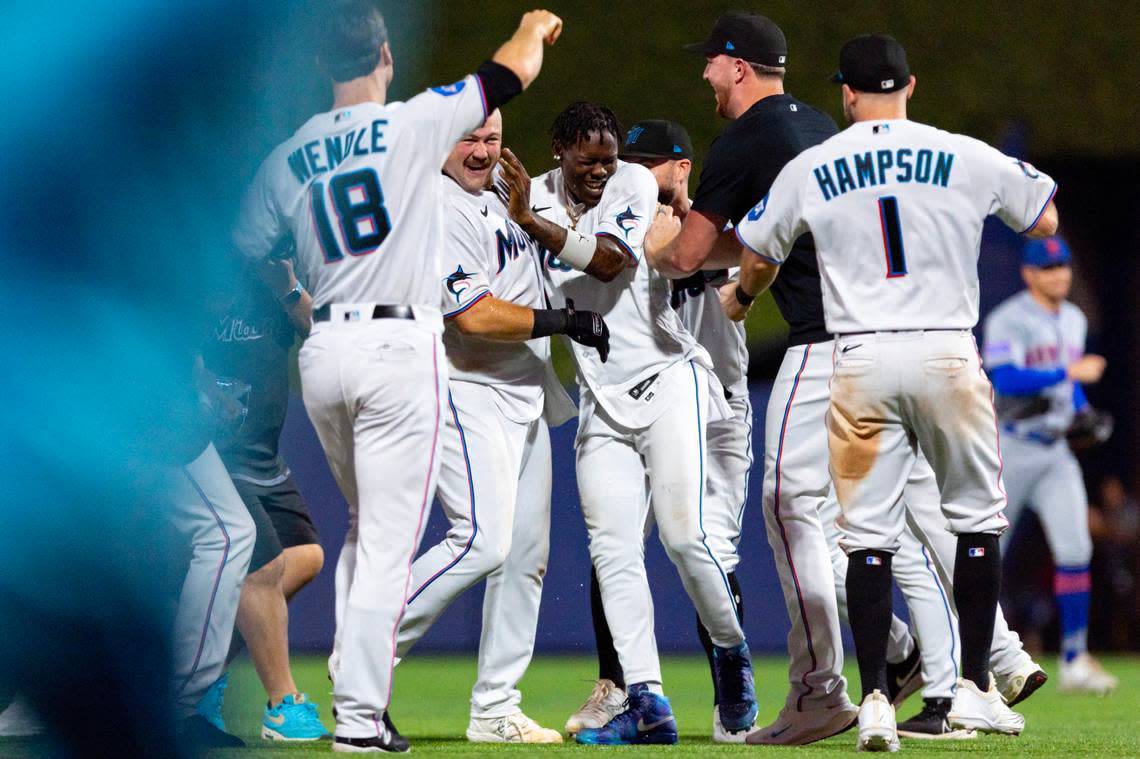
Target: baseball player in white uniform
495 475
1035 355
643 415
665 148
359 188
208 510
896 210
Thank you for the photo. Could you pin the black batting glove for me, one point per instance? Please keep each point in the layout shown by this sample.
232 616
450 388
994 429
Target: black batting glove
587 328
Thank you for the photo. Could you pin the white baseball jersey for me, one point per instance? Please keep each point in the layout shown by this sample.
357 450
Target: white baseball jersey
362 204
1022 333
698 304
485 253
646 335
896 209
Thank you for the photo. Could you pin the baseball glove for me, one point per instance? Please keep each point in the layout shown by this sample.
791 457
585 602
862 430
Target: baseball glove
1090 428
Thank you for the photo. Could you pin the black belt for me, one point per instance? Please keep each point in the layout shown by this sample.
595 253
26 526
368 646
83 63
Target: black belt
917 329
324 313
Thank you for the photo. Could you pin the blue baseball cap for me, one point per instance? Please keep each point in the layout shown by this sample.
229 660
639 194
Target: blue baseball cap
1049 251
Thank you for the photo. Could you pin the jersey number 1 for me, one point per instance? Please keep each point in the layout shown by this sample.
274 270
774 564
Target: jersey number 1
359 205
892 236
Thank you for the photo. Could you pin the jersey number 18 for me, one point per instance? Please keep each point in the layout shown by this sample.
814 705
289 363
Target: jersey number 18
359 206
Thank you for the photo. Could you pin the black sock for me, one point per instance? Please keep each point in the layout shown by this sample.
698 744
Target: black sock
609 666
869 605
977 584
703 633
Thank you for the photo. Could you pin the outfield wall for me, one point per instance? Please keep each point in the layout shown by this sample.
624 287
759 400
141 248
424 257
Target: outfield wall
564 625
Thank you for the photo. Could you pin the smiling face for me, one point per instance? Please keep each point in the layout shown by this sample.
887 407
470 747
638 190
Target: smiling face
588 164
722 72
473 157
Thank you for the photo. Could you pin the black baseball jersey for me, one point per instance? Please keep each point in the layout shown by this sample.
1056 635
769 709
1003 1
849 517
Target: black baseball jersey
249 353
739 170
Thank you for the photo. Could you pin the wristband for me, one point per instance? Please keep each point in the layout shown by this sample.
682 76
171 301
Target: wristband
293 295
578 251
548 321
742 297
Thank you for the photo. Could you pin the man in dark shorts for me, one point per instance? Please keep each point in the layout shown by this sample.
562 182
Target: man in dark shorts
249 356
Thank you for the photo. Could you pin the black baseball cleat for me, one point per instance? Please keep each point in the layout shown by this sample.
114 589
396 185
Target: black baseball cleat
933 723
390 741
904 678
200 735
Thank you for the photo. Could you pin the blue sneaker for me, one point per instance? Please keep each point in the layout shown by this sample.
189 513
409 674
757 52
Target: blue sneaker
210 705
735 693
294 719
648 718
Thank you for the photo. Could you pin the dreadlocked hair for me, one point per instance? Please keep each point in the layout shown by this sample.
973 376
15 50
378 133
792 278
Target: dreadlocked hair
580 118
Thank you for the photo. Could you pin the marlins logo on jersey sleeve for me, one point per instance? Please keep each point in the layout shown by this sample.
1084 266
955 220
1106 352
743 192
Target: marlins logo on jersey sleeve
625 212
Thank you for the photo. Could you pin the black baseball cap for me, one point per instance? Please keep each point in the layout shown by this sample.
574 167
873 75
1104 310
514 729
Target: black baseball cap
657 138
873 63
750 36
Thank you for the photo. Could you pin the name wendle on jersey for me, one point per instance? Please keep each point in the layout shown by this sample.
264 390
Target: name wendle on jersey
321 156
870 169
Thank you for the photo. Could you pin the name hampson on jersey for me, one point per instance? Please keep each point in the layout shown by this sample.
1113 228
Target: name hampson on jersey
896 209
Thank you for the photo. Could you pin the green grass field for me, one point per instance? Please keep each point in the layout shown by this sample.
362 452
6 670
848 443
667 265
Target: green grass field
431 707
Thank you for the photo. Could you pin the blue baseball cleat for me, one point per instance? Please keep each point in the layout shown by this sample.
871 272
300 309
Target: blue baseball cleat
735 691
210 705
648 718
294 719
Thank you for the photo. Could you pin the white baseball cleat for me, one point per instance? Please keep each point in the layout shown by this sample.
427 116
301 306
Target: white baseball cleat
605 702
513 728
19 721
793 728
1020 684
1085 675
984 711
877 728
720 735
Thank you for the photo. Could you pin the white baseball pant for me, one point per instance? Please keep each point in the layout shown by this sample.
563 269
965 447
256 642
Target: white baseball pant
891 394
621 474
207 509
728 462
494 487
375 391
1048 479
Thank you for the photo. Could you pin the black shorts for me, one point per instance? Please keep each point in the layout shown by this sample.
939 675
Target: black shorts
281 517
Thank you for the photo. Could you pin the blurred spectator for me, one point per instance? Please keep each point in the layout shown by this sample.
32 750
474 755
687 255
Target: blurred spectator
1114 523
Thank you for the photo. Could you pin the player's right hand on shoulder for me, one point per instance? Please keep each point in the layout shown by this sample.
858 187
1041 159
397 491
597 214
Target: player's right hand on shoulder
1087 369
588 328
546 24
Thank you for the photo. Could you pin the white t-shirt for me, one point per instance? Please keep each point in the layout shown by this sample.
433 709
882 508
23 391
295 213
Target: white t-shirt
646 335
360 190
896 210
485 253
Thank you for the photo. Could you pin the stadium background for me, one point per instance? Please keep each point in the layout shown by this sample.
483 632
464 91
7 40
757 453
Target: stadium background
1041 80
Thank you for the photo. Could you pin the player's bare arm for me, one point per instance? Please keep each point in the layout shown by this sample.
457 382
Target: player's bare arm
756 276
1047 225
500 320
522 53
278 276
608 259
700 243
